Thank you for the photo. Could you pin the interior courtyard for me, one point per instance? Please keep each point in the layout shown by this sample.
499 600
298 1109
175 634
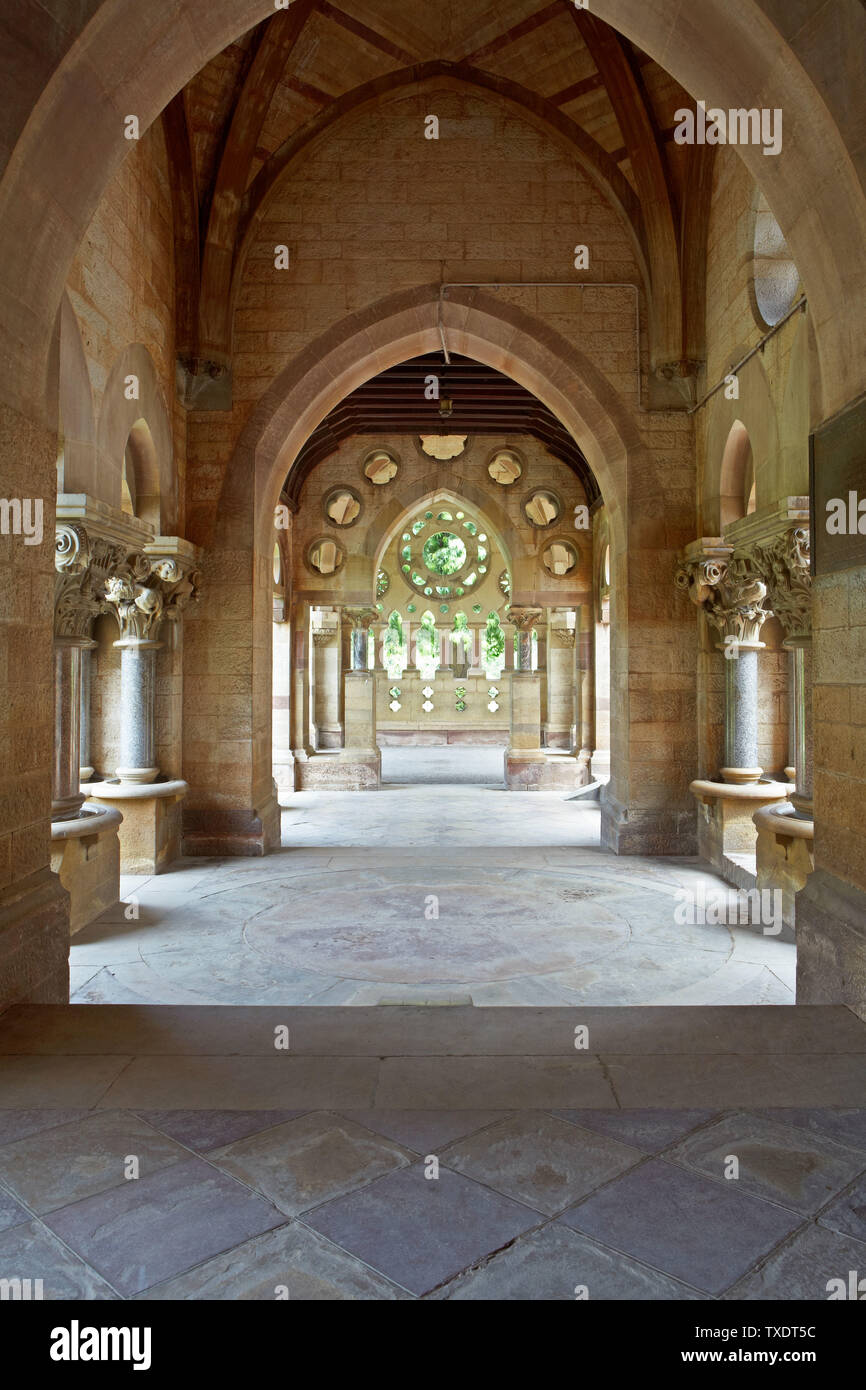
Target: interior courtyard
433 657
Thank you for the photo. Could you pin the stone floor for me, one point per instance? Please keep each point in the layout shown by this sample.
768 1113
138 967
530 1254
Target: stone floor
417 893
452 764
332 1205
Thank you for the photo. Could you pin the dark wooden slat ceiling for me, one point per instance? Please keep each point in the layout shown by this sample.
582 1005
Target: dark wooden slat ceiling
484 402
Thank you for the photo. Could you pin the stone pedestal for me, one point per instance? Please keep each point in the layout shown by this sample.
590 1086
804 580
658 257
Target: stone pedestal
360 762
85 855
150 835
785 855
725 825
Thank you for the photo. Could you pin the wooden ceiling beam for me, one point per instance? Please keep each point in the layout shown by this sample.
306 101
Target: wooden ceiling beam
268 65
635 119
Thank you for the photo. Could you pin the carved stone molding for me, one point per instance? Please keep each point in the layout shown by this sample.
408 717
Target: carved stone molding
564 636
325 636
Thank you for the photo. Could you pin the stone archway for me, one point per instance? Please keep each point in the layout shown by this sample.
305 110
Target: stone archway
646 806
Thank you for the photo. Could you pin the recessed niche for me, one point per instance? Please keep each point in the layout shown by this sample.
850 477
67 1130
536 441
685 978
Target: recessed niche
505 467
342 506
380 467
542 508
559 558
325 556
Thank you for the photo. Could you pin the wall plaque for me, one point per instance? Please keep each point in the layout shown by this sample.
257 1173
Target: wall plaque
837 490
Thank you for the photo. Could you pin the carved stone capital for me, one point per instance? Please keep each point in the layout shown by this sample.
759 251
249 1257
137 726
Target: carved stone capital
563 636
727 587
324 636
358 618
784 566
146 589
524 619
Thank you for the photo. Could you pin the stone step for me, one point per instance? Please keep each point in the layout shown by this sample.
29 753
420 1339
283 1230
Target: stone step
401 1057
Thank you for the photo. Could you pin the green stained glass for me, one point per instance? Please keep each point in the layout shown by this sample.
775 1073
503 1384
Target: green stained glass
470 579
482 536
428 589
418 527
443 608
460 591
411 607
444 516
459 515
461 705
482 552
405 568
417 578
428 516
476 608
443 590
482 569
470 527
444 553
395 692
406 552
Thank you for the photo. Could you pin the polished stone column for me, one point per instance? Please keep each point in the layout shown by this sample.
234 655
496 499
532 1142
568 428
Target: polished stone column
524 620
86 769
138 709
300 713
66 799
359 621
741 712
801 695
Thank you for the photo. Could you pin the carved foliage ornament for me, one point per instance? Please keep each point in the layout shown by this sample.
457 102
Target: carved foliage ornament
730 593
784 566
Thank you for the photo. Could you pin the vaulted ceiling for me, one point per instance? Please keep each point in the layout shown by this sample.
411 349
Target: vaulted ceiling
484 401
239 122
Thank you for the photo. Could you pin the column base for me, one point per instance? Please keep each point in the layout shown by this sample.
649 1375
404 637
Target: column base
34 941
831 943
137 776
85 855
646 830
150 835
534 770
741 776
223 832
350 770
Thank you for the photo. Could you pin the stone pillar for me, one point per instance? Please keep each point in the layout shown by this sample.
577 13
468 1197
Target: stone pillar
66 800
75 606
138 709
732 596
147 587
300 678
281 684
584 737
784 563
360 761
561 685
86 768
326 687
358 621
524 620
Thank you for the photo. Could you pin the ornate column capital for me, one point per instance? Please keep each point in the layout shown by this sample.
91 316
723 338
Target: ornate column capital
76 602
523 618
784 565
564 636
728 589
358 618
145 589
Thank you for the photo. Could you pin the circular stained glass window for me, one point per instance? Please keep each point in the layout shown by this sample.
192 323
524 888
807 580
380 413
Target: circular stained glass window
444 553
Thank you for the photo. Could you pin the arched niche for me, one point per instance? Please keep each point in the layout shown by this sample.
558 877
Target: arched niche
134 430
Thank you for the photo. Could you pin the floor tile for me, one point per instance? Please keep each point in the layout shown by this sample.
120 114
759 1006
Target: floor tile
310 1160
558 1264
424 1131
421 1231
683 1224
11 1211
147 1231
791 1166
648 1130
803 1267
847 1214
32 1252
17 1124
847 1126
58 1166
539 1160
292 1262
203 1130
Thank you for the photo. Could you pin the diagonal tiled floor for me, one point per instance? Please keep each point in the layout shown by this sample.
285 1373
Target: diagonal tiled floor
442 1205
420 894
